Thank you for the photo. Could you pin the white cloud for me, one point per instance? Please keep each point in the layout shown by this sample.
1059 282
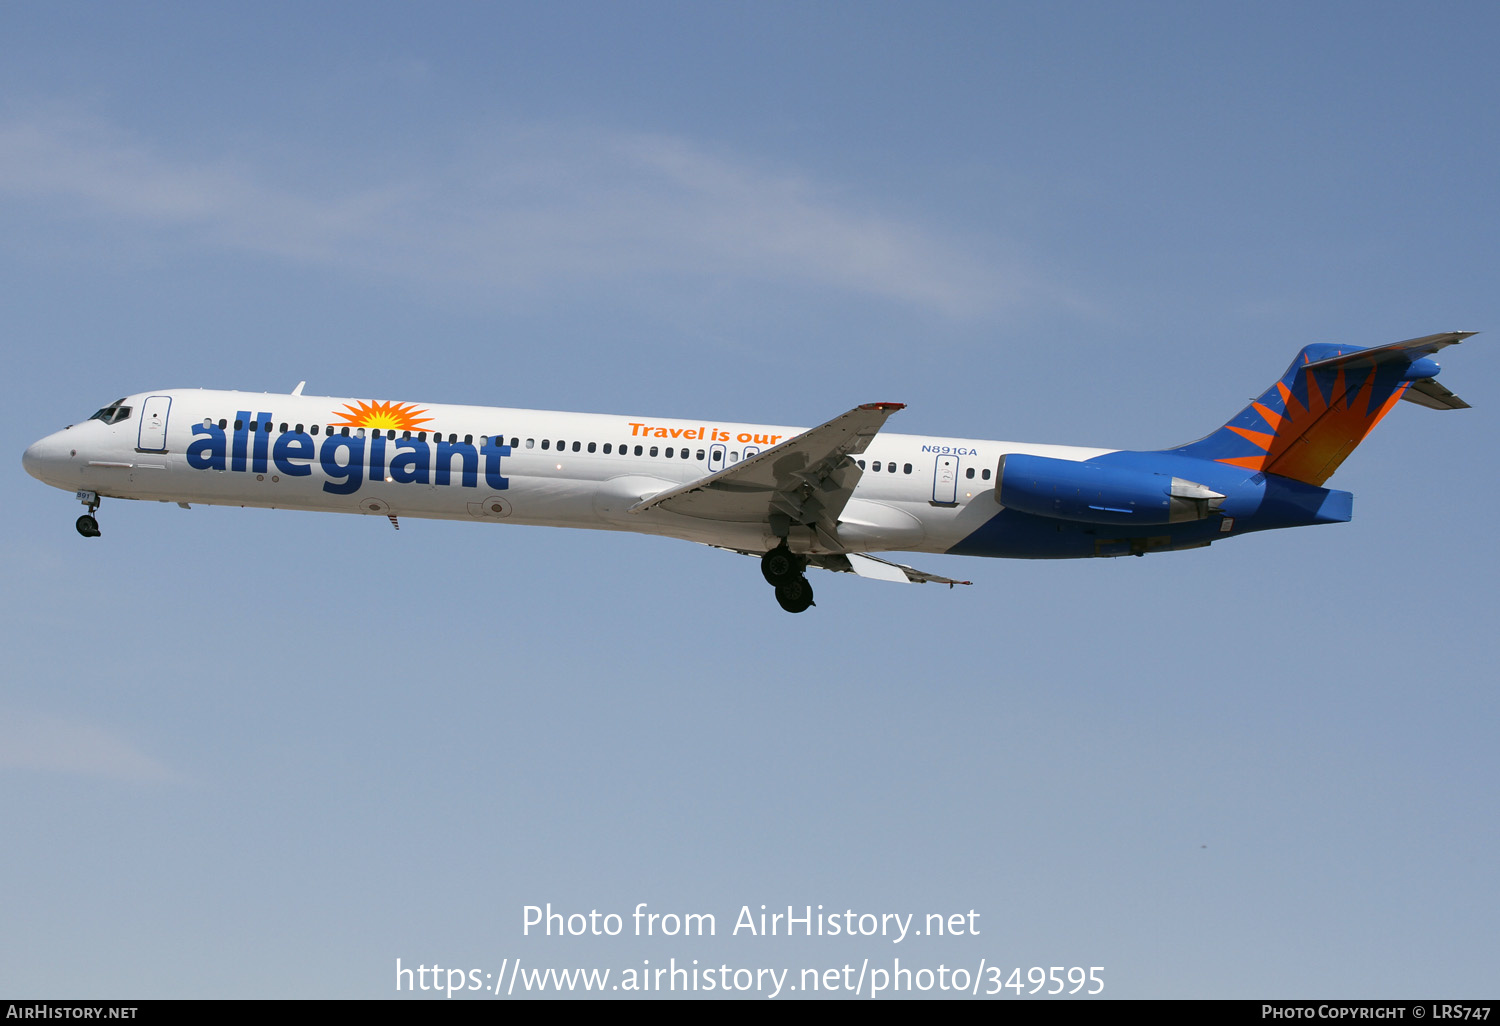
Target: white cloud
515 211
30 741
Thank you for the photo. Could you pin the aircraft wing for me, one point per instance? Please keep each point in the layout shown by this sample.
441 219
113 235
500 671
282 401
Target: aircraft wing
808 478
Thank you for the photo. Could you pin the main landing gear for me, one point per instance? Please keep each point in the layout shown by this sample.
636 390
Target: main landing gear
86 524
782 569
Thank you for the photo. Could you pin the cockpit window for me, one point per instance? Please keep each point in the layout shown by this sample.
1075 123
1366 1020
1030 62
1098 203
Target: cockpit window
113 413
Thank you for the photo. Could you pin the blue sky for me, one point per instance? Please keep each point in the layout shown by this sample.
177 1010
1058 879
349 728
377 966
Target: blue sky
255 753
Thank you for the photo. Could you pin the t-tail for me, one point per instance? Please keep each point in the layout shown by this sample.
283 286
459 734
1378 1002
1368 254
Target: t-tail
1329 399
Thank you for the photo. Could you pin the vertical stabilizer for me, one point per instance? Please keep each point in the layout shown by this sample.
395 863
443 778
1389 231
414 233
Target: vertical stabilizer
1306 424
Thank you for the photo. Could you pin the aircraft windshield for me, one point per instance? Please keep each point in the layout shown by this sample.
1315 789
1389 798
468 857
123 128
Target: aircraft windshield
113 413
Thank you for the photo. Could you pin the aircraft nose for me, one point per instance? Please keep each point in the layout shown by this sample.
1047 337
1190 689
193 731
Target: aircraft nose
31 459
43 458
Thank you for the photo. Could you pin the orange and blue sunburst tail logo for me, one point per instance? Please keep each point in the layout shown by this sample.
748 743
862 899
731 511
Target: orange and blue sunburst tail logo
381 416
1306 424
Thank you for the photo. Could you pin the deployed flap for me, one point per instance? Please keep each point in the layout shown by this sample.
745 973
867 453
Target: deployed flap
880 569
808 478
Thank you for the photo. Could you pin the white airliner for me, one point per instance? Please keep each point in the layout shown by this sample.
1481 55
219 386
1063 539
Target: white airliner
828 496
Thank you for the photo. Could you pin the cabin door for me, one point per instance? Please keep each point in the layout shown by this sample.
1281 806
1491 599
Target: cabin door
153 431
945 481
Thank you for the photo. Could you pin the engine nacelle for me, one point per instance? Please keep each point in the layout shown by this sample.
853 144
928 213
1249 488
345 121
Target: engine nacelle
1099 494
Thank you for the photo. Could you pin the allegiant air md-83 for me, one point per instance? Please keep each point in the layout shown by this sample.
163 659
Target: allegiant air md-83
828 496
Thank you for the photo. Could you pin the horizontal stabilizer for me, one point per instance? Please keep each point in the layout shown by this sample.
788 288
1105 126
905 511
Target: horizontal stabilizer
1406 352
1427 392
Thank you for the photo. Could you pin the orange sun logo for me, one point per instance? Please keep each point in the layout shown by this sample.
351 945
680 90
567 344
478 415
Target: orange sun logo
1308 442
382 416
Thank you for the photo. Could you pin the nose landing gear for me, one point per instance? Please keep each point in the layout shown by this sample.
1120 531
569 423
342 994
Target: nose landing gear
86 524
782 569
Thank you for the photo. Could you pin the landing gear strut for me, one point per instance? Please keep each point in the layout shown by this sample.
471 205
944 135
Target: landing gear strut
782 569
86 524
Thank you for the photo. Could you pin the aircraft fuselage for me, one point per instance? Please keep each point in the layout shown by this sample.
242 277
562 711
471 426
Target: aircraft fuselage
496 465
829 496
